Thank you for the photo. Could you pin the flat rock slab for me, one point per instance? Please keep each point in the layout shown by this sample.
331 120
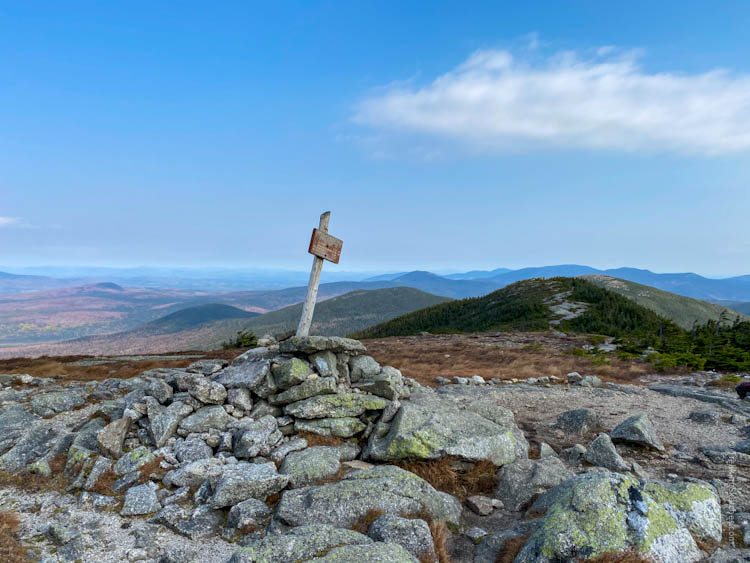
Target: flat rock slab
428 427
387 488
335 406
244 481
49 404
299 544
345 427
310 465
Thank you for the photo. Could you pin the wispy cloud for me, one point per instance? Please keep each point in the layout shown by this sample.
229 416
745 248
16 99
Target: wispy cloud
9 221
605 100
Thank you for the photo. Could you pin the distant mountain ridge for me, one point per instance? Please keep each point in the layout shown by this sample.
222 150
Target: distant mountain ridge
206 327
684 311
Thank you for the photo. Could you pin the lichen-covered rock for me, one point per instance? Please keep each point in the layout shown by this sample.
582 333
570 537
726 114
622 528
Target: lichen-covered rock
195 473
253 374
578 421
310 465
205 419
363 367
247 480
305 390
388 383
284 449
597 513
412 534
111 437
14 421
377 552
240 398
524 479
257 437
207 367
290 372
313 344
387 488
192 449
35 442
133 460
140 500
326 364
299 544
202 523
164 421
248 513
335 406
638 430
427 427
602 453
345 427
48 404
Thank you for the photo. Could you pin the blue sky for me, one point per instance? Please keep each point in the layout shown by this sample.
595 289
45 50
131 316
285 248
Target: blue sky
441 135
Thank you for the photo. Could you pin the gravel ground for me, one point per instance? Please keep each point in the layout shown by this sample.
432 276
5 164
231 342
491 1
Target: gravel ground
107 537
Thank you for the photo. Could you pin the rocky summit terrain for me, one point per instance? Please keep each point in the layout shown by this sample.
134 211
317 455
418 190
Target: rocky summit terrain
309 450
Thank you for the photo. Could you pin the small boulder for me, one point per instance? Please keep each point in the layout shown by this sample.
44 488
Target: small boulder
111 437
602 453
578 421
310 465
638 430
705 417
524 479
412 534
248 480
290 372
335 406
140 500
205 419
300 544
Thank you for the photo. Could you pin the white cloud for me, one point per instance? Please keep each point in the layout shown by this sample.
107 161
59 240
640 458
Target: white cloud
9 221
607 101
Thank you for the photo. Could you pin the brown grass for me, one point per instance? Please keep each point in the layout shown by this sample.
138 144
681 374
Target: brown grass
496 355
620 557
103 486
440 535
151 468
34 482
480 479
11 550
363 524
510 549
318 440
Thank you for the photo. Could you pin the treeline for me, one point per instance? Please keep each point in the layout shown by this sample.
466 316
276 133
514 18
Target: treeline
715 345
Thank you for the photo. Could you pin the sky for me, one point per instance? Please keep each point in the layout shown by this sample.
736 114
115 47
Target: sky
441 135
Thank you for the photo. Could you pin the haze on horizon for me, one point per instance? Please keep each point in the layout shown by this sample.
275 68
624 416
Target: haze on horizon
441 139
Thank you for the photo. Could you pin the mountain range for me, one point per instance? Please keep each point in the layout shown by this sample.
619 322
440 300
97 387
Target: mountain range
64 313
207 326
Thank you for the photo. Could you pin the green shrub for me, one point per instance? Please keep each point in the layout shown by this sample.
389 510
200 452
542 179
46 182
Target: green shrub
244 339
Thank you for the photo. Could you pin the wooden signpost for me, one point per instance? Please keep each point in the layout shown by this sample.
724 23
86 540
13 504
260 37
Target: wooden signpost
323 247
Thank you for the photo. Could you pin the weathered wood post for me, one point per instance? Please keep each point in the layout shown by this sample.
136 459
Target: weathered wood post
323 247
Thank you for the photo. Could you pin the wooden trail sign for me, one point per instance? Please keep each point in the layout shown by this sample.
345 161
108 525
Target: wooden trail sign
323 247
